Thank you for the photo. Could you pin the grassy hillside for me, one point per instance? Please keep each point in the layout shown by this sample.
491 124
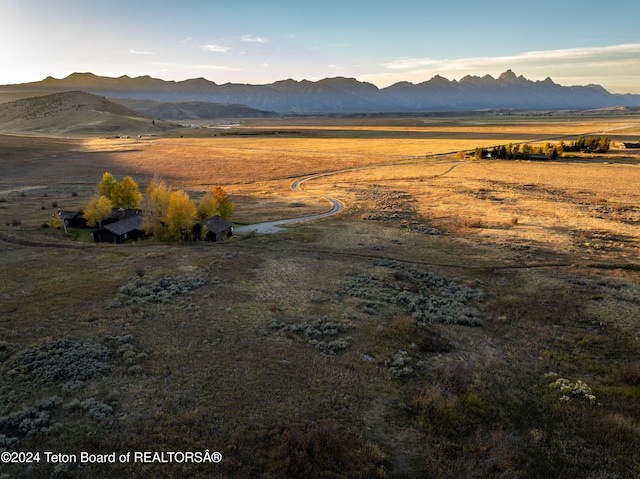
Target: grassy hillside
74 113
191 110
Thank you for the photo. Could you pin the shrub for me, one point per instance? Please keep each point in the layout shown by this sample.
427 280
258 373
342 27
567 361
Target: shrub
426 296
630 373
454 376
571 390
402 322
304 449
27 422
64 360
96 410
472 223
321 332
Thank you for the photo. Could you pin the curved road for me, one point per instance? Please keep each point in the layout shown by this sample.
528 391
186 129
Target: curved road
336 205
274 226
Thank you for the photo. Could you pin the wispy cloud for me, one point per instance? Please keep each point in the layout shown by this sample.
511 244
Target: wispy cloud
253 39
563 65
588 56
194 67
138 52
215 48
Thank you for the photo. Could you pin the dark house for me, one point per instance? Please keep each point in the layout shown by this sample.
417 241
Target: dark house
75 219
213 228
119 214
127 229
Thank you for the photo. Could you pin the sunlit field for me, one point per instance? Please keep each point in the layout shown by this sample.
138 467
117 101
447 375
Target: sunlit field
460 318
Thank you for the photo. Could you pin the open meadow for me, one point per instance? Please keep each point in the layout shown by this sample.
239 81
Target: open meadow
459 318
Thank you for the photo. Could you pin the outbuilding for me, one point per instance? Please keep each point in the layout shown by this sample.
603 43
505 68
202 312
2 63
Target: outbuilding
213 228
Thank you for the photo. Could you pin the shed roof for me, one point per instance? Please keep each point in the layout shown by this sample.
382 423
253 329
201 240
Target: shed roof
216 224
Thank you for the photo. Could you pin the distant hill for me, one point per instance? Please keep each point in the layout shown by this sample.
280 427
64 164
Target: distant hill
75 112
341 95
190 110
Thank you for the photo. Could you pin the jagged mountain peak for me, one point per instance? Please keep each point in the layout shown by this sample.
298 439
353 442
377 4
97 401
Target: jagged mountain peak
508 76
344 94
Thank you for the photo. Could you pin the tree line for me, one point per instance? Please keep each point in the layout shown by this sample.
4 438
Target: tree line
168 214
600 144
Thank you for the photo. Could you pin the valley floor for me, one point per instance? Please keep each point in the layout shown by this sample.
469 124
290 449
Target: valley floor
456 319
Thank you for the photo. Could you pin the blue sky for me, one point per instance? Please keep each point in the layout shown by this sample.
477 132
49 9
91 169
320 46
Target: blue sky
383 42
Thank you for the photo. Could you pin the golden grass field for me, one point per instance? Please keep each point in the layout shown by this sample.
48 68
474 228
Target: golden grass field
415 334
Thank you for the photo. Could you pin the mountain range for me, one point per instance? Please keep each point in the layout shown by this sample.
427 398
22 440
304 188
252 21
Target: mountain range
342 95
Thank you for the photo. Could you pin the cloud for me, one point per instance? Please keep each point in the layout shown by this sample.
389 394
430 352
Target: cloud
138 52
215 48
589 56
253 39
584 65
185 66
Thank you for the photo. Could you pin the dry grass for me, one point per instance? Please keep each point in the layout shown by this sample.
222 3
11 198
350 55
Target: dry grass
560 295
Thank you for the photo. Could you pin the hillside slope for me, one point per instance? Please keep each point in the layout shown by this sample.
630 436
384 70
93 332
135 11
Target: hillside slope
190 110
75 113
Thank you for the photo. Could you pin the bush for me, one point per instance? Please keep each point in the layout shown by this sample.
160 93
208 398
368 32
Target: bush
454 376
304 449
96 410
61 360
630 373
426 296
321 332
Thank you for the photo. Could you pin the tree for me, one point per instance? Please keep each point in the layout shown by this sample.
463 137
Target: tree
107 185
181 214
98 208
509 150
207 206
126 194
156 206
223 205
604 142
480 153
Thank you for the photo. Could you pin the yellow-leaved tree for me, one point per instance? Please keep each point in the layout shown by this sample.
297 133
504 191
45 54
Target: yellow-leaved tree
156 206
98 208
126 194
107 185
215 203
207 206
224 206
122 195
181 214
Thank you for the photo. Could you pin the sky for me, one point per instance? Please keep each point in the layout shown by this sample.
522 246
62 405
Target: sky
381 42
